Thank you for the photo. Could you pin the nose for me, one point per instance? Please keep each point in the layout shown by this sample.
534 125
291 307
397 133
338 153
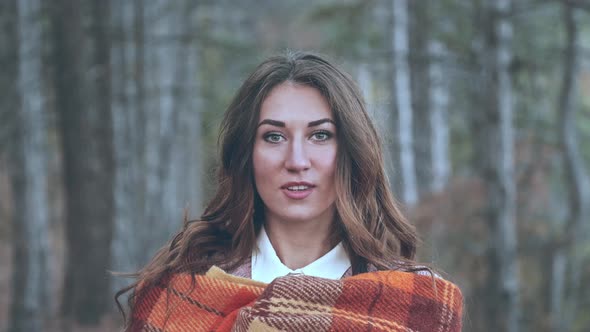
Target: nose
297 157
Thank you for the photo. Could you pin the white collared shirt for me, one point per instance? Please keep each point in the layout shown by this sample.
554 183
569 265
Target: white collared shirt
266 265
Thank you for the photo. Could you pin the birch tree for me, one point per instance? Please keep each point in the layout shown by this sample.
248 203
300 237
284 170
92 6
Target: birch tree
128 58
566 261
157 127
404 101
376 80
431 126
172 124
495 154
82 85
430 97
28 163
365 83
438 97
419 30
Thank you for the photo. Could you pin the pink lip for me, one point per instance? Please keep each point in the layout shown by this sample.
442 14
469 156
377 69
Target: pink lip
297 194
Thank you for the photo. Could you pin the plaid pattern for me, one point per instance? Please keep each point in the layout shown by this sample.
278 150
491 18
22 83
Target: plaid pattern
374 301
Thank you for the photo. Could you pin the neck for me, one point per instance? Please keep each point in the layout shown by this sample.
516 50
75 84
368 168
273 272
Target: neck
299 243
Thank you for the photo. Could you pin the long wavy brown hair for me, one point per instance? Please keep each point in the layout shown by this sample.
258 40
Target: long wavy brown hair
368 219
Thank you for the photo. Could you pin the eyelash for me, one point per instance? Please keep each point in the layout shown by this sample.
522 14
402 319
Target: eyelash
271 134
328 134
323 132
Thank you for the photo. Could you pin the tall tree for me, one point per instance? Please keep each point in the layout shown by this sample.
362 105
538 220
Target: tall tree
495 155
82 85
365 83
430 97
419 30
157 126
172 123
438 97
567 265
404 101
22 29
439 117
128 58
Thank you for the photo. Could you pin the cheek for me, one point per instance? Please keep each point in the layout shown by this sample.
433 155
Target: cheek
328 167
326 161
258 164
263 162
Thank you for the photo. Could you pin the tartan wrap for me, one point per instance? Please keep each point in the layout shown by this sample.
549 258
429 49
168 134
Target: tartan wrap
374 301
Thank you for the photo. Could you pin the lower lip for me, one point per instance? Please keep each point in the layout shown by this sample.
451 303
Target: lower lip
299 194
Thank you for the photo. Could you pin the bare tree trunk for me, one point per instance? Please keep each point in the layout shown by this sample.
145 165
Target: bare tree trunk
83 101
429 99
365 82
28 164
495 153
187 157
567 262
157 127
404 101
174 114
419 31
127 79
439 118
382 78
557 289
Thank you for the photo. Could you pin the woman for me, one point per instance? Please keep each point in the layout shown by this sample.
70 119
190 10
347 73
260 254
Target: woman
302 193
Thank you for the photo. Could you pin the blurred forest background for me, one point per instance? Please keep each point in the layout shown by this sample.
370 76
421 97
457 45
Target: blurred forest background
109 114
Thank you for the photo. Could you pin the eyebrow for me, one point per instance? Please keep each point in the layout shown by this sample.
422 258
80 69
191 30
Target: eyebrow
282 124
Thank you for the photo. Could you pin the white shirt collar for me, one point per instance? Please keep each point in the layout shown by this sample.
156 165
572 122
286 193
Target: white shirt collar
266 265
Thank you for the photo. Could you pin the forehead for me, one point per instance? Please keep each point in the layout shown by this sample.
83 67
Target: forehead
290 102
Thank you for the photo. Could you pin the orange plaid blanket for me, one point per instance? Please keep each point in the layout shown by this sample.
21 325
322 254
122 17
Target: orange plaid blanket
374 301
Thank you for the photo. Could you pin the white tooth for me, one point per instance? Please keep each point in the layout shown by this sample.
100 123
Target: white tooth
298 188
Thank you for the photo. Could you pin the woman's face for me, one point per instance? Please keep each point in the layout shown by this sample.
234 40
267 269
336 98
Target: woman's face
295 155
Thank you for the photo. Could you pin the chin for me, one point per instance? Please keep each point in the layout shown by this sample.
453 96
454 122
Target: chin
300 215
297 218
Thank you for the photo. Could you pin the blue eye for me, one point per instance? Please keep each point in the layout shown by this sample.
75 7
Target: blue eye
321 136
273 137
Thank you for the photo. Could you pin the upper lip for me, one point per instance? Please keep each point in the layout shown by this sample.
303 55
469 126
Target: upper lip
300 183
